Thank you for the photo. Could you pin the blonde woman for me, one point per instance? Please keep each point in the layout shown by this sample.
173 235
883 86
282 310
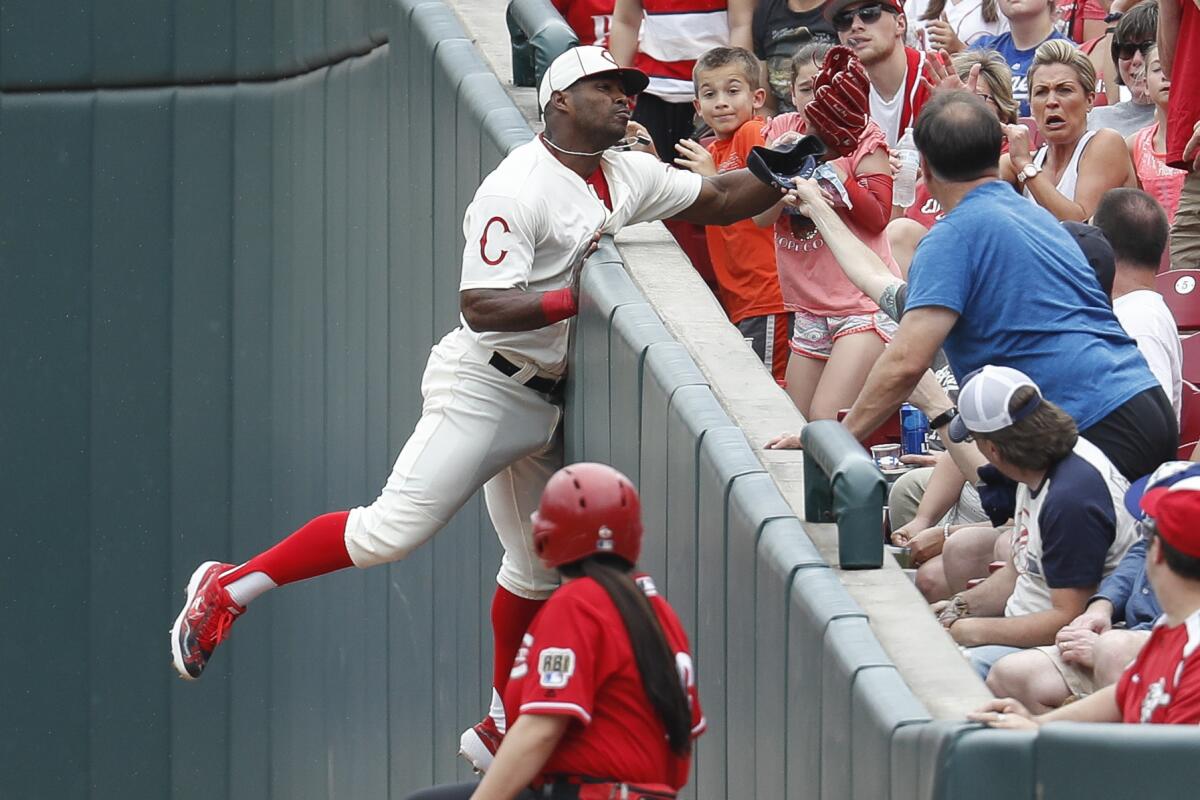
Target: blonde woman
1074 167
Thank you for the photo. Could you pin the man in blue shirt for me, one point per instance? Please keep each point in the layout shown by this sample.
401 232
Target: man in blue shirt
1030 23
999 281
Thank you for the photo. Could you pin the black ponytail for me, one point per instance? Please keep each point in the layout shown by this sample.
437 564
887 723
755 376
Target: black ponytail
655 661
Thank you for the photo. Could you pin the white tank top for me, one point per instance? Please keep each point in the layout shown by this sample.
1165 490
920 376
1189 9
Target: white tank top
1066 184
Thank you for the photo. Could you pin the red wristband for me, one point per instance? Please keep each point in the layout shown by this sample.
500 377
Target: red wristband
559 305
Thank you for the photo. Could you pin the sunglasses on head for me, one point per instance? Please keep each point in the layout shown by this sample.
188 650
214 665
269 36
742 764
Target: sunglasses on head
844 20
1126 50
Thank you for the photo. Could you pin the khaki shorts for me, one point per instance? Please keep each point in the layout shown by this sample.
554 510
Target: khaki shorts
1080 681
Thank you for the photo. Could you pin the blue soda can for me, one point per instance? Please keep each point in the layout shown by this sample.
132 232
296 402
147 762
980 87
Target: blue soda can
914 427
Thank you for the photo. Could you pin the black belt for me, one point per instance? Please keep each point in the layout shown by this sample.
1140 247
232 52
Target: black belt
537 382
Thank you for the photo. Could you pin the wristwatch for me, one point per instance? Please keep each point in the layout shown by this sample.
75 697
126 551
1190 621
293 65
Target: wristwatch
1027 172
943 418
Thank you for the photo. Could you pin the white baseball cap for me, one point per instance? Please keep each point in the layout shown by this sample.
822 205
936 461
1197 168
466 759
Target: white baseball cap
983 402
581 62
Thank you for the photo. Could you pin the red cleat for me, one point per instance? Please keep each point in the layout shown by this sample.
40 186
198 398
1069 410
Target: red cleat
204 622
479 744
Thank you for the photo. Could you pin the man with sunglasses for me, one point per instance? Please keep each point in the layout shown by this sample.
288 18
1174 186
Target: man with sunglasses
1133 37
874 30
1162 685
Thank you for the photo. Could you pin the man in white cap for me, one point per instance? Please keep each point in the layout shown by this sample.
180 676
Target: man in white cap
1161 685
1070 527
492 386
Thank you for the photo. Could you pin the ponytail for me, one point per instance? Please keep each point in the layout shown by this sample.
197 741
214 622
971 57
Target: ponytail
655 661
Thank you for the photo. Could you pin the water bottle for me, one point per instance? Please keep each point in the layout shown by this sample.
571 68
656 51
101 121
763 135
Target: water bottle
904 188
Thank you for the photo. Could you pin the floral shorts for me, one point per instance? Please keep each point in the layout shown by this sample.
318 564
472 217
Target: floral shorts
813 336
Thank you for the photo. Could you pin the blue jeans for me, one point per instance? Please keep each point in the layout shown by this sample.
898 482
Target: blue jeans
983 657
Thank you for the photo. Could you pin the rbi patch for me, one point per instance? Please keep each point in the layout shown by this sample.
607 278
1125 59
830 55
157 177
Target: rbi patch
556 665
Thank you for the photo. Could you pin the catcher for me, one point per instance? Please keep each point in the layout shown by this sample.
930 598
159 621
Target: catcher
838 331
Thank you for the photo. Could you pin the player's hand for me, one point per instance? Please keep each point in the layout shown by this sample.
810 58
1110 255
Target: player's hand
1077 646
785 441
1019 152
645 144
806 197
577 270
942 36
926 544
1004 713
1191 150
693 156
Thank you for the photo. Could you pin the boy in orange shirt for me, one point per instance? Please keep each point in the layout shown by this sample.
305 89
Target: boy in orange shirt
728 97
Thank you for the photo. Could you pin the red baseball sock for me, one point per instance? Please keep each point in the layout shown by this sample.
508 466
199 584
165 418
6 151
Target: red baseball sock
317 548
511 616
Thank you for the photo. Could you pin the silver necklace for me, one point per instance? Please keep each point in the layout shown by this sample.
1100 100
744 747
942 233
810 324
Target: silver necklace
571 152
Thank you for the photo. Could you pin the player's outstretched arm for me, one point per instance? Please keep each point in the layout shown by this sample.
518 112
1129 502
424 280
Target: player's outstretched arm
729 197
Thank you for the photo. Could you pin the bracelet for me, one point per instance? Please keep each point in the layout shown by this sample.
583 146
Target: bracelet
559 305
943 418
946 529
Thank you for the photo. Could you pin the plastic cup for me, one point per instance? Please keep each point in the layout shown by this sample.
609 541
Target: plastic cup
886 456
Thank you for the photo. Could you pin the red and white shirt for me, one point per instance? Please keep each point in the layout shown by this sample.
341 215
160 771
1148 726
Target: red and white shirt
576 660
1162 685
590 19
674 34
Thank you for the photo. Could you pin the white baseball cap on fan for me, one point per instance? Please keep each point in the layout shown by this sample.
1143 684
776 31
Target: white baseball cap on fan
983 402
582 62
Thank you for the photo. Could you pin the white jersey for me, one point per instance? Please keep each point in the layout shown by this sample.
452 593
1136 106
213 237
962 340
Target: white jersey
1145 316
532 219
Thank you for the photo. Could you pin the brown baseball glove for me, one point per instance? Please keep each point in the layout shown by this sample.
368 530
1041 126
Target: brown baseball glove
840 109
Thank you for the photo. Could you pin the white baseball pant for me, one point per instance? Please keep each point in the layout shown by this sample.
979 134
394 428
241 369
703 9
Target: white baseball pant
478 427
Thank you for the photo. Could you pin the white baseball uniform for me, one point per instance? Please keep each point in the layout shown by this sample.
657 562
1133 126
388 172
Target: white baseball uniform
530 222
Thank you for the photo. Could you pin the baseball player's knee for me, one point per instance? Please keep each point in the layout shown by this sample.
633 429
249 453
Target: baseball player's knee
379 535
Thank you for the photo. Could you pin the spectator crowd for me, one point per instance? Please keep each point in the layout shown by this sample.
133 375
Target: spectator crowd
1010 293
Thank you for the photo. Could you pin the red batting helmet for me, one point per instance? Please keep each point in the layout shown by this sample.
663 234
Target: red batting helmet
587 509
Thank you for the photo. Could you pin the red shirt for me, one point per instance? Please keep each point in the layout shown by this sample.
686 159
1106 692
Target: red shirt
1162 685
590 19
576 660
924 209
1184 107
743 254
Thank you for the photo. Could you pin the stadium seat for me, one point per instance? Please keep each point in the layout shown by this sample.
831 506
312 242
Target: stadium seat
1191 357
1180 288
1189 420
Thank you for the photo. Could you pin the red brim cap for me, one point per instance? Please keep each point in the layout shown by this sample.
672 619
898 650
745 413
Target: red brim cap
1176 514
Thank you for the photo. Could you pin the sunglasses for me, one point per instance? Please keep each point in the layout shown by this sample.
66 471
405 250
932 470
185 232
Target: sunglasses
844 20
1125 50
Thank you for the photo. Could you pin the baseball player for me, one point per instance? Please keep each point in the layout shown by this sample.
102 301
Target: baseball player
491 388
602 692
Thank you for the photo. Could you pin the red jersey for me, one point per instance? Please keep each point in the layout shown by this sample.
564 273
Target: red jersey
590 19
1183 109
743 254
924 209
1162 685
576 660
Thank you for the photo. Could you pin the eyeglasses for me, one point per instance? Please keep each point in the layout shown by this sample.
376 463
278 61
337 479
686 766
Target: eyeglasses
844 20
1125 50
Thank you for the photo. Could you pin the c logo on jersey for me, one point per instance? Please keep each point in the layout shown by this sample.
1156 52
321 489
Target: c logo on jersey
521 664
556 665
483 242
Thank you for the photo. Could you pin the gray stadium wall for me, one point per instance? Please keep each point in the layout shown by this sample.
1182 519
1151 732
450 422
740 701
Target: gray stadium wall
229 234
